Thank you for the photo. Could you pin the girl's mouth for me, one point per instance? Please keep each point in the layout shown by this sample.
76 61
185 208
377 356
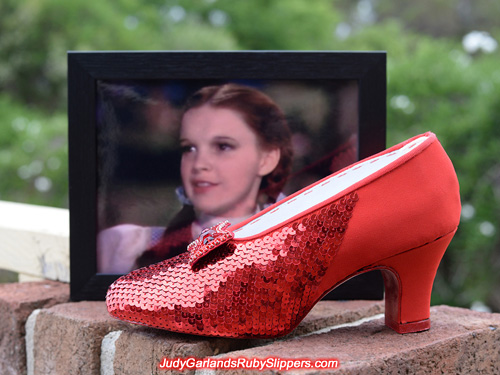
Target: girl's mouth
202 186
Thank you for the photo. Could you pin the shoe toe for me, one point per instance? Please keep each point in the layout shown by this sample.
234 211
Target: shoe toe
261 287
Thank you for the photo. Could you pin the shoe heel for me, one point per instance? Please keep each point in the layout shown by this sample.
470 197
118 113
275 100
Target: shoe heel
408 279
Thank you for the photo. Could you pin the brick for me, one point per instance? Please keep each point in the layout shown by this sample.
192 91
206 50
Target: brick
17 302
460 341
67 338
140 350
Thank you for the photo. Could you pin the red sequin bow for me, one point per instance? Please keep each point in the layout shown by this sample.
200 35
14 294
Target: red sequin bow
209 239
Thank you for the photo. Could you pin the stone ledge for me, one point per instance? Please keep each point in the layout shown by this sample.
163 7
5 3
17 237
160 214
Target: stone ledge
67 338
82 338
141 349
460 341
17 302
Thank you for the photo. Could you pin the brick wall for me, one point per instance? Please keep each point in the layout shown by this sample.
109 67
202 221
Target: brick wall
41 332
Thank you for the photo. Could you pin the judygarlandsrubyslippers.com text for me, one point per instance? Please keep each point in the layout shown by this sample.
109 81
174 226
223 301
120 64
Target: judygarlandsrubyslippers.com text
243 363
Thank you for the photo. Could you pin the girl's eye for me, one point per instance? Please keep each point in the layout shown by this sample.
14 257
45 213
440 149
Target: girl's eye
224 146
187 148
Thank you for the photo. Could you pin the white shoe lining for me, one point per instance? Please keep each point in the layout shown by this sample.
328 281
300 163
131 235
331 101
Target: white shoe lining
321 192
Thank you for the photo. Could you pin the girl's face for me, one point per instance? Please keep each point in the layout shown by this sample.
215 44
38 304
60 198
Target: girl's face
222 162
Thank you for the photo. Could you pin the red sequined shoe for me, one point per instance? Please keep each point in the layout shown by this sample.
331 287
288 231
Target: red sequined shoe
396 211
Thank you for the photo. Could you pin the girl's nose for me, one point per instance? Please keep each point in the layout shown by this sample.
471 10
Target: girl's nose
202 161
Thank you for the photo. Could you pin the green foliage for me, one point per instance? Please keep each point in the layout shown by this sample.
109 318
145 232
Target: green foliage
439 18
37 33
33 156
294 24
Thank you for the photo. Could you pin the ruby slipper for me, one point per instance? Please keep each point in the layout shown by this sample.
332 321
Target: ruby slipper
396 211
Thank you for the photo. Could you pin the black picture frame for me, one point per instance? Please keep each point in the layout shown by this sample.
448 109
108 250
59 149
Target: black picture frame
87 69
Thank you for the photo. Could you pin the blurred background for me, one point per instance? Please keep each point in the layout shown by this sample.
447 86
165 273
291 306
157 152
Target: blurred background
443 75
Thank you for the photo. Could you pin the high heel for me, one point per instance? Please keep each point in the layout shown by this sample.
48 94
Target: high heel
408 279
396 211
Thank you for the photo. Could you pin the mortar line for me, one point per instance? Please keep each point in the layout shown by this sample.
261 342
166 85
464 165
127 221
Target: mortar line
30 341
108 349
343 325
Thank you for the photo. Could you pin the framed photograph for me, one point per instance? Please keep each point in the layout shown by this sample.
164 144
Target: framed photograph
127 141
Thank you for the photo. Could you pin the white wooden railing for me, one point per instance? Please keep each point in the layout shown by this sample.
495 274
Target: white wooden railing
34 241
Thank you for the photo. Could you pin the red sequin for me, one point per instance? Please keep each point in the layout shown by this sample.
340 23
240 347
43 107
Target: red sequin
262 287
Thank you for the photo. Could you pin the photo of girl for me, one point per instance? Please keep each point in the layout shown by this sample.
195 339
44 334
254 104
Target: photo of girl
236 156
